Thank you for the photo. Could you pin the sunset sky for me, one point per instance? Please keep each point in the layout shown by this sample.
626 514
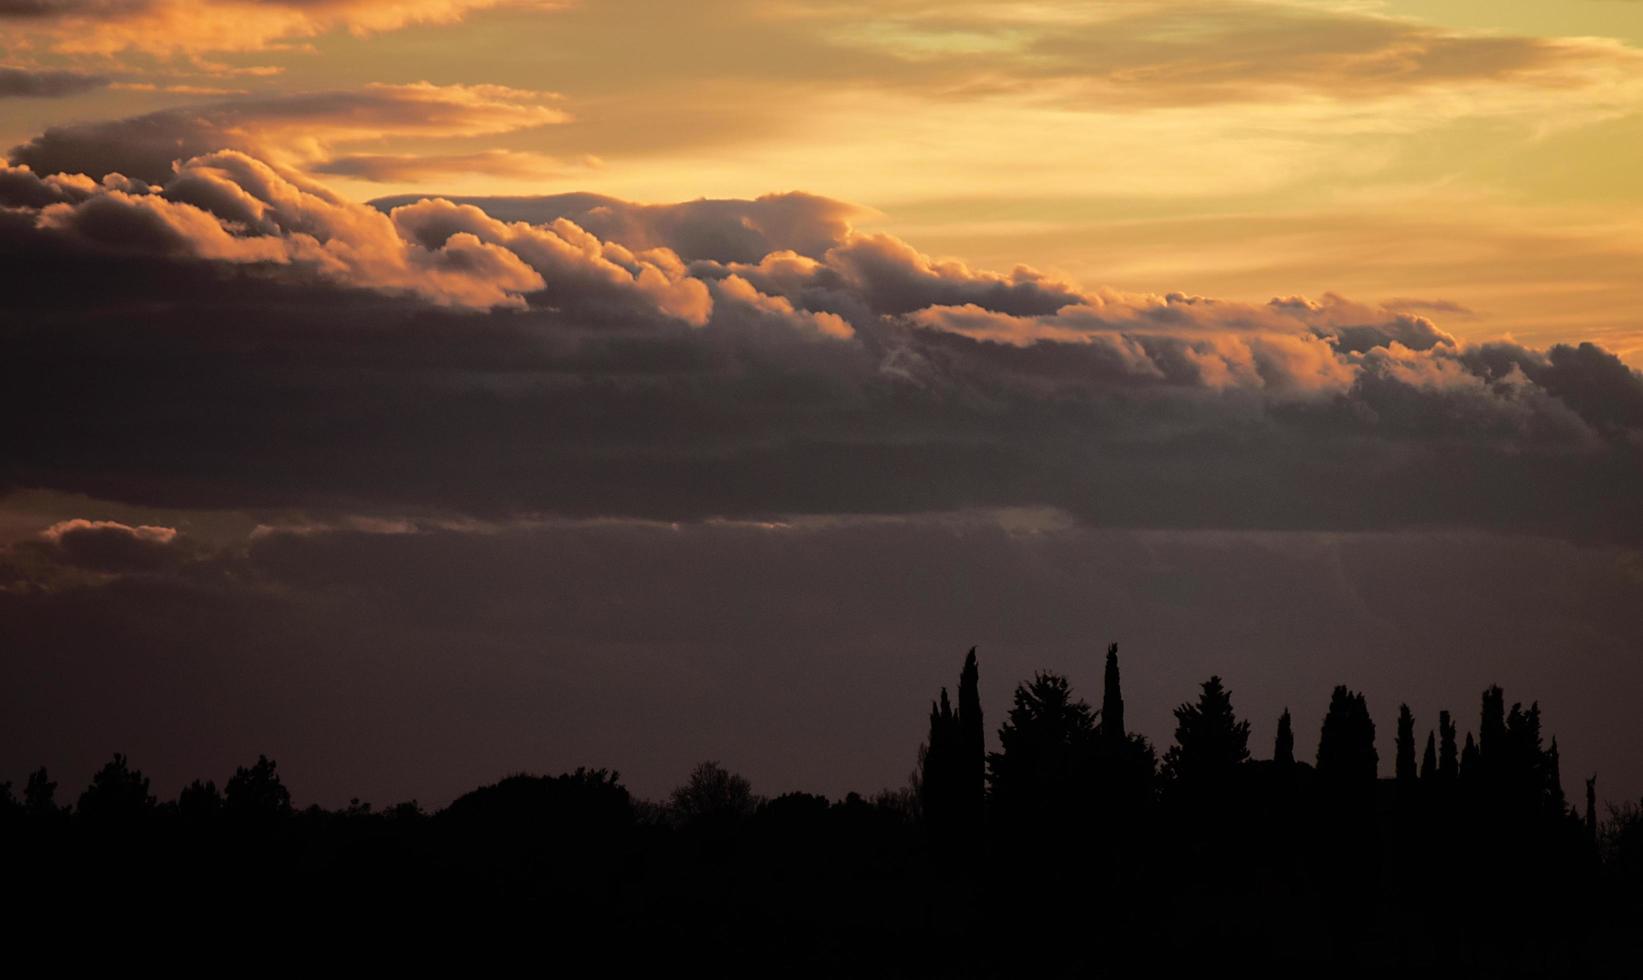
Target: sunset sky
419 391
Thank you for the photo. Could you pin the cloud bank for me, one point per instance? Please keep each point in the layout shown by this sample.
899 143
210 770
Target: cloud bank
582 356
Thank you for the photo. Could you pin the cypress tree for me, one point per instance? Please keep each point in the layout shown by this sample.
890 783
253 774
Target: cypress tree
1346 747
1405 762
1112 703
1283 747
1429 759
1591 809
952 765
1556 805
1492 730
936 763
1448 757
971 764
1469 760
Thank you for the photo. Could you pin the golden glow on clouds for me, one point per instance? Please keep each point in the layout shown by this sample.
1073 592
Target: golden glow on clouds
1449 153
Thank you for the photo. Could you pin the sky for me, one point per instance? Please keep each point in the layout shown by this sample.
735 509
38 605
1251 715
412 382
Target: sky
422 390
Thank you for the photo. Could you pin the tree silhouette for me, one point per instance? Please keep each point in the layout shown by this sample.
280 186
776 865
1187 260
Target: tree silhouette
1283 746
1448 758
1210 742
713 795
1470 767
938 767
1042 770
1492 732
951 776
1404 767
1429 760
1125 762
256 793
40 795
1591 809
970 767
1346 748
1112 702
199 802
117 794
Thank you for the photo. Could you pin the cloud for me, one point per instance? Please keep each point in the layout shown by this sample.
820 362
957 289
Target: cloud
293 129
172 27
46 83
409 167
725 231
228 207
111 547
1164 55
620 378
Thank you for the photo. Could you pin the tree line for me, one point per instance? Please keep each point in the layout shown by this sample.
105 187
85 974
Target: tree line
1072 848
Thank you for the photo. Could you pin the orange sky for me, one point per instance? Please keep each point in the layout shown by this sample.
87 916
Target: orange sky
1473 165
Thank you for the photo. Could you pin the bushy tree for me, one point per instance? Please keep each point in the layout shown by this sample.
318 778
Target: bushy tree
713 794
199 801
1346 747
117 794
1210 741
256 792
40 795
1043 769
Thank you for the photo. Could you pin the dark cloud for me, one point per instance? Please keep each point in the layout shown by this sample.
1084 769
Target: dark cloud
728 231
148 146
32 9
239 337
46 83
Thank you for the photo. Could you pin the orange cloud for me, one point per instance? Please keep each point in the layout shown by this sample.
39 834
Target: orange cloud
172 27
410 166
298 130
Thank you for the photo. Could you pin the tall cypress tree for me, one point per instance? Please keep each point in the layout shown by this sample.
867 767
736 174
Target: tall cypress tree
952 765
970 766
1492 730
1429 759
1283 747
1112 703
1591 809
1448 756
1469 766
1404 769
937 783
